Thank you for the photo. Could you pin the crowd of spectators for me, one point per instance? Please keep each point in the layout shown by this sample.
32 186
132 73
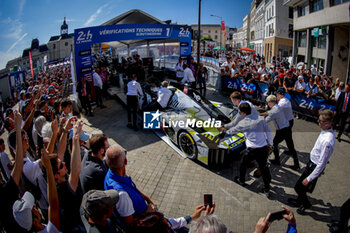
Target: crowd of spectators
311 81
54 178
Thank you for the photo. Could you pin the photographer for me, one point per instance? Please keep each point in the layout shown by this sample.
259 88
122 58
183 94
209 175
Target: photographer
264 223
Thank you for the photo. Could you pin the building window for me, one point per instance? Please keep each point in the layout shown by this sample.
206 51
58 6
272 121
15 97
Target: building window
66 43
301 11
54 46
316 5
290 12
337 2
272 12
216 37
216 31
319 42
290 30
208 31
302 39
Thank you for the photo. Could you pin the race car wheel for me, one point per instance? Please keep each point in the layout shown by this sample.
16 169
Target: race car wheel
187 145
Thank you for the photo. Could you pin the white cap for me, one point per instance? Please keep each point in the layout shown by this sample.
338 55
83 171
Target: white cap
22 211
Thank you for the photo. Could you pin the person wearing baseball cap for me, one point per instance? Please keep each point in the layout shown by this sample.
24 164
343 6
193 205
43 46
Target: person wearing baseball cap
27 215
97 208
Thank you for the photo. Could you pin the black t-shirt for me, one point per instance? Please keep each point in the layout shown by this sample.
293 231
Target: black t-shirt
93 172
9 193
69 202
202 73
290 81
247 78
327 91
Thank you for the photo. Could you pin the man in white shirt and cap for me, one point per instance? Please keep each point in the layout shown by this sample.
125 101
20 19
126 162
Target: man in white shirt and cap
188 77
277 116
133 91
258 139
319 156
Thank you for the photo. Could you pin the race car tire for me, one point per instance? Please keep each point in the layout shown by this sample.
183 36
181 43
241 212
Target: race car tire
187 145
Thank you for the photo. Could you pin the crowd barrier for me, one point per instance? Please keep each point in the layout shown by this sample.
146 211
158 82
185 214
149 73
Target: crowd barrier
300 103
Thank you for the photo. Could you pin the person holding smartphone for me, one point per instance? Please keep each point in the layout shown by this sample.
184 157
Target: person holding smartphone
264 223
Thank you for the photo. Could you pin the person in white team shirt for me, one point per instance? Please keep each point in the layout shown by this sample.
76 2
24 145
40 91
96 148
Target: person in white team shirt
188 77
179 69
98 85
319 156
236 99
133 91
164 95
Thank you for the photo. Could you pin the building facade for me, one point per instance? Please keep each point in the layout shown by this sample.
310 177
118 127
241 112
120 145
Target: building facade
246 31
39 52
278 40
237 39
321 35
58 48
259 28
61 46
252 25
212 30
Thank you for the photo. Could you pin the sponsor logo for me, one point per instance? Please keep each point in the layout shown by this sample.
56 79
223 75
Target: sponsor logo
84 37
152 120
184 32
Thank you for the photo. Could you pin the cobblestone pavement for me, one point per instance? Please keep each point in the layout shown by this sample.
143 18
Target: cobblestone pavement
177 185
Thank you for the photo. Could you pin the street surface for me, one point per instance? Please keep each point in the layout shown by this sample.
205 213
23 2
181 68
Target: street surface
176 185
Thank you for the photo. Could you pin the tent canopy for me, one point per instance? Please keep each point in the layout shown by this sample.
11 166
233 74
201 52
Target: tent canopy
134 16
220 48
247 50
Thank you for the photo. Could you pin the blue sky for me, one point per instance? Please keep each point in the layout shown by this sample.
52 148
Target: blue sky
23 20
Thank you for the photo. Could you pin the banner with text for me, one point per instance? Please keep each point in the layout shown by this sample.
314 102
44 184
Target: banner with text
84 38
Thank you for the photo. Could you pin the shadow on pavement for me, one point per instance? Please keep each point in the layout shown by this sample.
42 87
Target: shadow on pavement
112 121
283 177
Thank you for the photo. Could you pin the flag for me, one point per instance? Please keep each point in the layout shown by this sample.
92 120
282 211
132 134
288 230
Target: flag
31 64
73 74
225 34
222 25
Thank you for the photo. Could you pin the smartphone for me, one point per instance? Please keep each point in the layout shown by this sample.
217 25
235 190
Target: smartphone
277 215
208 200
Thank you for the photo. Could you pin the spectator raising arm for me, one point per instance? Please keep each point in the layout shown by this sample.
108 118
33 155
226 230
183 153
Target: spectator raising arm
76 157
63 140
54 128
17 171
54 216
29 119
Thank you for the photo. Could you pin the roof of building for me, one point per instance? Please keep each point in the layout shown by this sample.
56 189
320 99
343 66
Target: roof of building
61 37
42 48
134 16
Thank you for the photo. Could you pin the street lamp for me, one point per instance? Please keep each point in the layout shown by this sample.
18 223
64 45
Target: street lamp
220 17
